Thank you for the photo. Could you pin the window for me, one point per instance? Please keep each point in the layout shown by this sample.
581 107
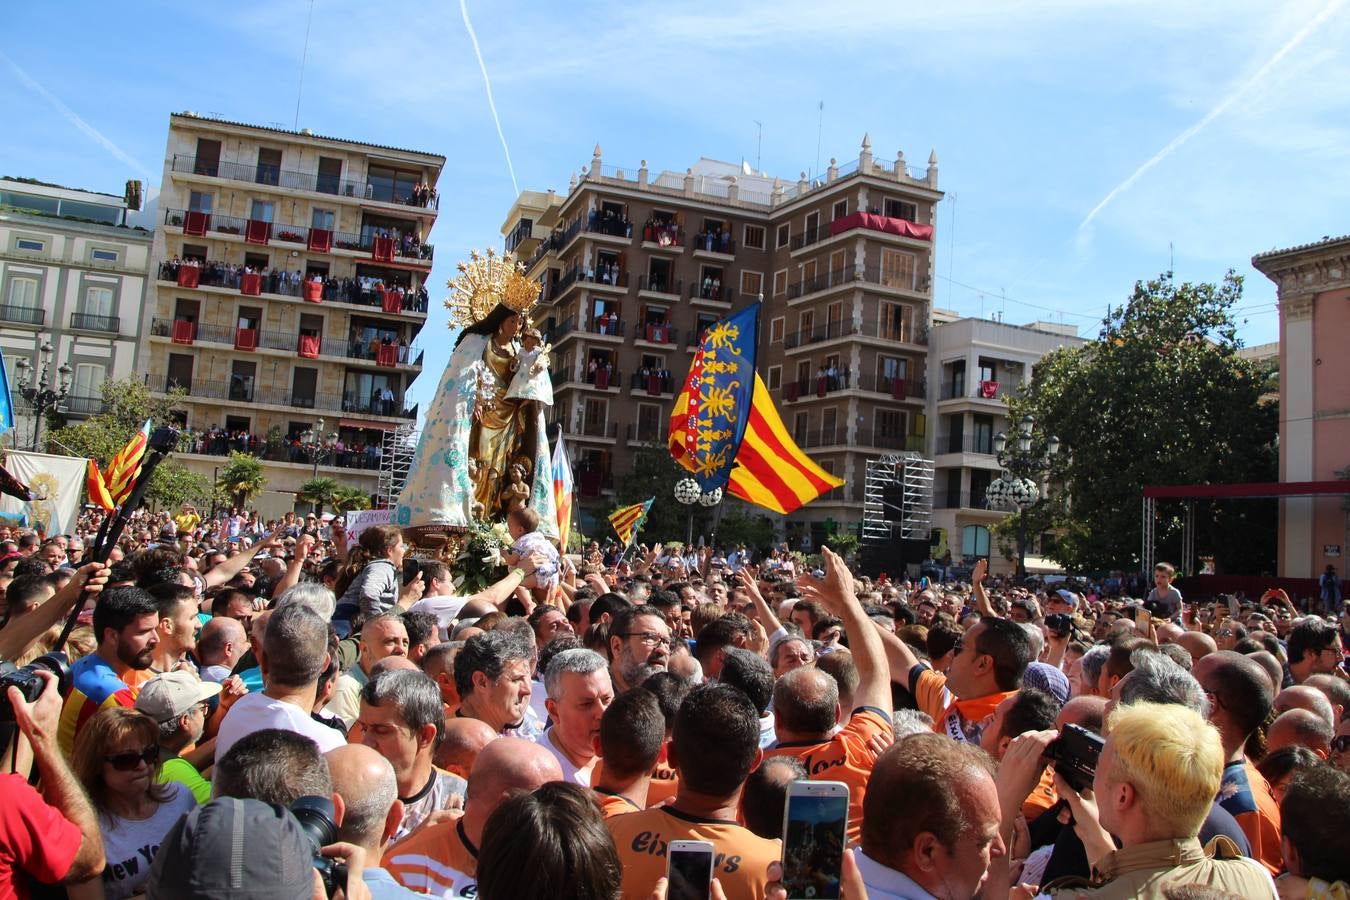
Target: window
98 301
897 269
890 423
208 157
899 209
23 292
30 244
776 330
801 424
324 219
775 377
894 322
262 210
330 172
752 284
838 259
812 225
780 282
808 276
200 201
753 237
269 166
784 234
597 413
840 209
88 381
974 541
649 423
98 254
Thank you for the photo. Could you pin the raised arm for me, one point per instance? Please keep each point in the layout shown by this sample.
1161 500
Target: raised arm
232 566
836 593
21 632
977 588
763 612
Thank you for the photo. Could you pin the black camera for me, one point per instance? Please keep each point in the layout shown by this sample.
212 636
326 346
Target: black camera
1059 624
1075 753
164 439
27 681
316 817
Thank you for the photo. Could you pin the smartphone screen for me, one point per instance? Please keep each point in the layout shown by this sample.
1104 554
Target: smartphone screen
690 872
1143 619
814 836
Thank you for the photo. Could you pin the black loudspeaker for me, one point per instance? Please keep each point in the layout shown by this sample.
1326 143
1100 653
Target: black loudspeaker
893 556
893 502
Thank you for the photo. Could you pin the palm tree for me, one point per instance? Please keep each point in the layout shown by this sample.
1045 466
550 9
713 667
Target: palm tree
318 492
241 478
347 498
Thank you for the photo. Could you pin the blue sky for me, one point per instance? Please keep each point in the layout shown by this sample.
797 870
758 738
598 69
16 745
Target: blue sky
1039 110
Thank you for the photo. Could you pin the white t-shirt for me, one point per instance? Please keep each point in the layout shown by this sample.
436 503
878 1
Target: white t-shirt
445 609
571 774
432 798
130 845
254 712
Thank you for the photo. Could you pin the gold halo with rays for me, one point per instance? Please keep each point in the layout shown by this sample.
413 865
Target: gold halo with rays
485 281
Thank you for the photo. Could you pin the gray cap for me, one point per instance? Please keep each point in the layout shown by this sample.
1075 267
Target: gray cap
233 849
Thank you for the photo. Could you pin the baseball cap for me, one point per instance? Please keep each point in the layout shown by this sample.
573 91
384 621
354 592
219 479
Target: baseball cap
1068 597
232 849
171 694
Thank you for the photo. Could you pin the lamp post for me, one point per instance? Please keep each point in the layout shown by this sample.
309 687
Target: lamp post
42 395
1024 464
318 444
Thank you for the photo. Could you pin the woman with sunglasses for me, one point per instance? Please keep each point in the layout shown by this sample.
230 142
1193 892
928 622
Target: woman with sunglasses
117 759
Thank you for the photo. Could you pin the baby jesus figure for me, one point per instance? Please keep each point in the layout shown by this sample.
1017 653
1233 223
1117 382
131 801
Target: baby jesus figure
531 380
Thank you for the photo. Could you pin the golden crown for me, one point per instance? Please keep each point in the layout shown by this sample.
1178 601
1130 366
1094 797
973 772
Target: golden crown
486 281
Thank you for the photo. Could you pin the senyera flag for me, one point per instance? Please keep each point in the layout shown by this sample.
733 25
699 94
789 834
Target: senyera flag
725 431
562 492
126 465
629 519
98 488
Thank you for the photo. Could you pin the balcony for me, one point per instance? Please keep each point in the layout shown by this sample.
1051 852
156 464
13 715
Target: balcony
182 331
869 221
87 322
23 315
406 247
662 237
601 379
608 326
657 333
649 433
313 182
873 275
246 390
948 443
711 293
654 384
607 431
981 390
914 443
82 406
667 288
824 437
967 499
708 244
228 276
823 385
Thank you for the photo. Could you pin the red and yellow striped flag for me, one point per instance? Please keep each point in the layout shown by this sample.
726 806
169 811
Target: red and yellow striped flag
771 470
629 519
98 490
126 465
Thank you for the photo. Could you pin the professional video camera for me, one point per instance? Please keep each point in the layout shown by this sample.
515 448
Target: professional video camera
316 817
27 681
1075 753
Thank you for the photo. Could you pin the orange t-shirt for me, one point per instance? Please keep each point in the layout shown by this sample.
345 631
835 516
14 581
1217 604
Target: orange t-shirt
435 859
1042 796
844 757
612 804
1246 794
960 720
740 862
665 782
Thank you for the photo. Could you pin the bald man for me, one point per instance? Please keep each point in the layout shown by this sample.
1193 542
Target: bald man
1197 644
1336 689
1300 728
441 858
372 811
461 743
1274 669
1086 711
1304 696
1169 632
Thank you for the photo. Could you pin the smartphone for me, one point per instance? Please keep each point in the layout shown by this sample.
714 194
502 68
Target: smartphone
815 833
1143 619
1220 612
690 870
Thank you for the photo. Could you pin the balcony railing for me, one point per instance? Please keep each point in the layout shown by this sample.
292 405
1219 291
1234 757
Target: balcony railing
652 384
823 385
287 341
949 443
594 429
663 235
88 322
660 285
242 389
874 275
647 434
24 315
406 246
967 499
657 333
611 226
717 293
824 437
82 406
275 176
712 243
213 273
980 390
882 441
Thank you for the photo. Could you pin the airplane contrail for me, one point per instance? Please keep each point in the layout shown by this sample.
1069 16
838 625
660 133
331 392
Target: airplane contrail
73 118
1219 109
487 83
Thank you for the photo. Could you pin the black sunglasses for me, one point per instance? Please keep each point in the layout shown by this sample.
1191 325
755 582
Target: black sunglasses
127 762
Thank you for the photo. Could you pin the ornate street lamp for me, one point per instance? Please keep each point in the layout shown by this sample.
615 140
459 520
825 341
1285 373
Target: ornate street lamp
317 444
42 395
1017 489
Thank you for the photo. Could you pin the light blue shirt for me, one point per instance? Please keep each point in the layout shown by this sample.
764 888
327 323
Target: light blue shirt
885 883
382 886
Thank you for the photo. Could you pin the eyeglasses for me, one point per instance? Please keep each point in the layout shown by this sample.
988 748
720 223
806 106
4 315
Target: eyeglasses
1341 744
649 638
130 761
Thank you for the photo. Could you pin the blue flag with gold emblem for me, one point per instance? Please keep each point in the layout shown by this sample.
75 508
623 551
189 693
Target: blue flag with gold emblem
709 418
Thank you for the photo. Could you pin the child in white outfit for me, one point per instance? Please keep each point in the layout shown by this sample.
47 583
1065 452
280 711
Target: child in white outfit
523 525
532 381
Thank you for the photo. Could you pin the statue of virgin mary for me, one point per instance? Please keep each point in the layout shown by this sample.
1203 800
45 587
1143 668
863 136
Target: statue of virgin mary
481 451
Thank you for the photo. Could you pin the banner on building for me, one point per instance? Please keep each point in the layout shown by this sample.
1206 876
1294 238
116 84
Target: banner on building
57 483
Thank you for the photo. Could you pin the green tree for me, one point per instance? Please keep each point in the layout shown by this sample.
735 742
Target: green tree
347 498
1161 397
740 527
318 493
654 474
241 479
127 403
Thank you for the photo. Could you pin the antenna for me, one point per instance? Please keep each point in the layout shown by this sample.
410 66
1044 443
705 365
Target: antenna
820 125
759 143
304 58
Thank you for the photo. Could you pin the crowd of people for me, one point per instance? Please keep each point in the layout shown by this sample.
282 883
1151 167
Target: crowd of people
358 291
346 454
248 698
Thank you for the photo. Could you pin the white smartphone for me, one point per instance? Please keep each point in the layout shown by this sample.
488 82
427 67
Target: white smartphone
690 870
815 835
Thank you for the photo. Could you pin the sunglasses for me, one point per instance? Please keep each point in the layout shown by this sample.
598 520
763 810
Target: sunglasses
130 761
1341 744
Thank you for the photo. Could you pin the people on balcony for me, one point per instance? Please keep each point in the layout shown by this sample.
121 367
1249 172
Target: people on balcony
711 289
216 441
423 195
666 234
718 241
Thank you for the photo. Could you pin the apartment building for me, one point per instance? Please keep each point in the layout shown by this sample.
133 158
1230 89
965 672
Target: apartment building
634 265
974 367
289 288
72 278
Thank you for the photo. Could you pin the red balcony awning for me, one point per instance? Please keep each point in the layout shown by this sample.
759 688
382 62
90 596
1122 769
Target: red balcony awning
246 339
898 388
791 390
391 301
257 231
309 346
383 249
320 240
184 332
313 291
188 276
387 355
250 283
196 223
887 224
